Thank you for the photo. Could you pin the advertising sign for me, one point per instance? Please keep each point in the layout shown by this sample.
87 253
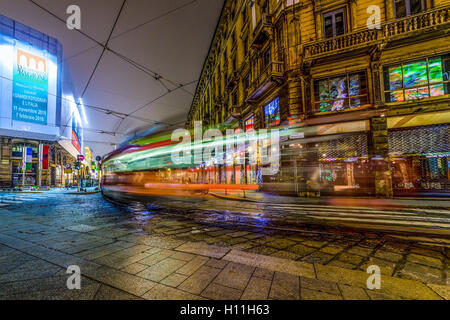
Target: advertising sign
76 134
45 149
30 88
28 158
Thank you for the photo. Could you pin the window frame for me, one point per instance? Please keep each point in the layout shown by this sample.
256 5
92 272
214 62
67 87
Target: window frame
429 84
348 98
333 13
267 120
408 8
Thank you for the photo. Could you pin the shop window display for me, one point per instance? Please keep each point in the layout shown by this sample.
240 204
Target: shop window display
418 79
272 113
340 93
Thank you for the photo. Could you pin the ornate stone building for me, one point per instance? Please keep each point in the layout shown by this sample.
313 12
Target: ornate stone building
364 82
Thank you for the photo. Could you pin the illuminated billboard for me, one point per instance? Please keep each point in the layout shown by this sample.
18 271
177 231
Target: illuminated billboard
30 88
76 133
30 82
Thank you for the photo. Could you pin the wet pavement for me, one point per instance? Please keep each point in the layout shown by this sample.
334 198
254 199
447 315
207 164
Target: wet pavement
205 249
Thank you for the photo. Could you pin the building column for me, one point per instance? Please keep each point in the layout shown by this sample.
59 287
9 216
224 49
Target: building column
295 95
379 157
5 163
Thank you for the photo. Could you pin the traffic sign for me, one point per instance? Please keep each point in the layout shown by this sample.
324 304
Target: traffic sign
80 157
68 166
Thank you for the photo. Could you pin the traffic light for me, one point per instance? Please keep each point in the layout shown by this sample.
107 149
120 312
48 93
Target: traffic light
77 165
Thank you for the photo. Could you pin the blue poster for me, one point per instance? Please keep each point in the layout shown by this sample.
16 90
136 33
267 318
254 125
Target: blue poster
30 88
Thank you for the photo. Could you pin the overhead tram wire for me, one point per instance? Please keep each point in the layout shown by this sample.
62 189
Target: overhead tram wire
104 48
106 111
138 26
130 61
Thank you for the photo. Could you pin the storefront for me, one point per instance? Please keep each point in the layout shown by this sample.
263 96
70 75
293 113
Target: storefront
420 160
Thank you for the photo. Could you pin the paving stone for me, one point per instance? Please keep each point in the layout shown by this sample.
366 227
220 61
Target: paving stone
134 268
386 267
157 257
340 264
263 273
192 265
360 251
286 255
419 272
428 261
319 285
162 269
333 250
216 263
218 292
262 250
280 243
392 286
183 256
353 293
198 281
375 295
244 245
426 252
203 249
109 293
257 289
386 255
238 234
235 275
314 244
29 275
442 290
285 287
174 280
162 292
297 268
308 294
301 250
350 258
122 280
318 257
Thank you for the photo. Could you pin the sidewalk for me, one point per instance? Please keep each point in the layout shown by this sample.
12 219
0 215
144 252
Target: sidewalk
90 190
401 203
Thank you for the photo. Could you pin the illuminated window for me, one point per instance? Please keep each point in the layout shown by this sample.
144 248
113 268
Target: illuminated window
405 8
249 124
418 79
272 113
341 92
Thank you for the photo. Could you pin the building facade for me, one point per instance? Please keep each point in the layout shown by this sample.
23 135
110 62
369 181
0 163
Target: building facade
40 124
366 84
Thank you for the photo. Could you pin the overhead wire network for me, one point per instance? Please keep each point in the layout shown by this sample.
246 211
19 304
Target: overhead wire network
146 70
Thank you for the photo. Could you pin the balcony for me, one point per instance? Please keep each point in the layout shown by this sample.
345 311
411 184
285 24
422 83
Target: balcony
233 114
262 31
269 76
390 31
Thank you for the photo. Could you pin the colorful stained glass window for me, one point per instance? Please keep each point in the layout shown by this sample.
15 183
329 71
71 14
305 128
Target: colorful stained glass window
272 113
417 80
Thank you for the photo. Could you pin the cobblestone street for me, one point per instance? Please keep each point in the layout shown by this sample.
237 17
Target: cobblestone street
161 251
